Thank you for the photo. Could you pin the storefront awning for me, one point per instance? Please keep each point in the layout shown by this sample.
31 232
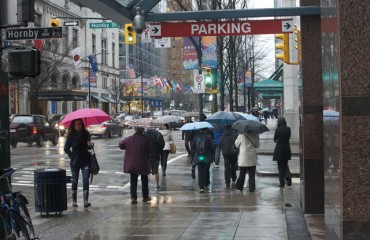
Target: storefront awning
99 98
109 99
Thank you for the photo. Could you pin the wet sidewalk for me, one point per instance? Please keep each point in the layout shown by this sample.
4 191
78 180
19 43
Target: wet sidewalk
180 211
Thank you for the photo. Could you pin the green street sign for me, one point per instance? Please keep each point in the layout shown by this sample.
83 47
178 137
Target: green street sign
104 25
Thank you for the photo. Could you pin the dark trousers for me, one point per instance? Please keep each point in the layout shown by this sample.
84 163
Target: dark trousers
144 185
230 168
164 158
284 172
75 170
252 178
217 150
187 146
203 174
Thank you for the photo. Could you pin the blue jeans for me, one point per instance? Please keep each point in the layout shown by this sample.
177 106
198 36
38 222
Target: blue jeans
85 176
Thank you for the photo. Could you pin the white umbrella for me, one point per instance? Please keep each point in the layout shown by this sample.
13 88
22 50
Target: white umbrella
168 119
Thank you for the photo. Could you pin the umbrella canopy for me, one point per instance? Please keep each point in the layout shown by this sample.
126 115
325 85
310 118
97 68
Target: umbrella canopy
168 119
145 123
250 117
255 109
249 126
88 115
222 118
196 126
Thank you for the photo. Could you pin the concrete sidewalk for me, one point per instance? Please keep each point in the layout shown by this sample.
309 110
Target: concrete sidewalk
179 211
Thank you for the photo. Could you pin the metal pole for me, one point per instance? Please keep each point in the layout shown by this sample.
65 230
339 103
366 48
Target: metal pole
142 96
88 74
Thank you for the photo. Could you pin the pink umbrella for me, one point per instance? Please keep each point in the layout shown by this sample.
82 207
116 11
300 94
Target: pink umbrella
88 115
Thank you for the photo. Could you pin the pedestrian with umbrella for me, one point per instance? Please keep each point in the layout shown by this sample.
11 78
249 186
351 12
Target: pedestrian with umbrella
230 154
168 139
248 142
282 153
77 144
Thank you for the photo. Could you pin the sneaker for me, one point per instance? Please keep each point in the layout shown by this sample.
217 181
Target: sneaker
157 188
217 166
147 199
289 182
133 201
201 190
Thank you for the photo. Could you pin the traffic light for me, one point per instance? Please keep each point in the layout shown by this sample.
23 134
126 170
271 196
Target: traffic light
297 39
54 22
283 45
130 34
208 78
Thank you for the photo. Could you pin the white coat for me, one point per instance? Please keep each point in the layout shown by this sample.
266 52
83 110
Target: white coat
247 144
167 136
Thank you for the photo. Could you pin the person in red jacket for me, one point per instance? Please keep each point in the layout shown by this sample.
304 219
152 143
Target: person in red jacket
136 162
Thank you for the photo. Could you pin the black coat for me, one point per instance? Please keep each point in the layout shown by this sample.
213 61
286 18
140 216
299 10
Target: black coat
79 155
282 149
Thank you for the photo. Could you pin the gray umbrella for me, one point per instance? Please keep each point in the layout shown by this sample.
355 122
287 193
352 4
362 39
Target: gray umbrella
249 126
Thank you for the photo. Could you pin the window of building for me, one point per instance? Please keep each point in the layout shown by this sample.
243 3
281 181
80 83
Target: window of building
37 20
113 54
104 82
74 38
93 40
114 84
65 38
104 51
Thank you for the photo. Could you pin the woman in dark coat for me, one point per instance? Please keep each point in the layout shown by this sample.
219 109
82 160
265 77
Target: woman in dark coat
76 146
282 151
136 162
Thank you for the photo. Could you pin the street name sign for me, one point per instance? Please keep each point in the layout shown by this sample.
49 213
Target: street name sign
222 28
34 33
104 25
68 24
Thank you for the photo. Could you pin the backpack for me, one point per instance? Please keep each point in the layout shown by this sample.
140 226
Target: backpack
229 147
203 143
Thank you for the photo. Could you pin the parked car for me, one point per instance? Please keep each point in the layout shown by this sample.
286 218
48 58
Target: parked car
124 122
55 121
178 124
32 128
120 117
107 128
157 114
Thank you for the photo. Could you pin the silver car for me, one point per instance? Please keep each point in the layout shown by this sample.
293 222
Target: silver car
107 128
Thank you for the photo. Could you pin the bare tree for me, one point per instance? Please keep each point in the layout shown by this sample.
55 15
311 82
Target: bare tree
55 59
116 90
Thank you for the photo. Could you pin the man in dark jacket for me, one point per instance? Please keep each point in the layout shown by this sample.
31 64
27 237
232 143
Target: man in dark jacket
230 154
157 141
282 151
186 135
136 162
202 155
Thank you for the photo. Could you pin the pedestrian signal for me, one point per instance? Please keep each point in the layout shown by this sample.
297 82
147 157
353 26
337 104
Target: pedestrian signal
130 34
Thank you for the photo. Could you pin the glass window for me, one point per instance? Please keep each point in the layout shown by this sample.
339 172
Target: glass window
74 38
94 43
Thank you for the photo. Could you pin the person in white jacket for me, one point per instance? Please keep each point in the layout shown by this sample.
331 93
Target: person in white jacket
167 135
247 159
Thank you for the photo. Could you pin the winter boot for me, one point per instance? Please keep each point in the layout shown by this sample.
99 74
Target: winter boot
74 198
86 199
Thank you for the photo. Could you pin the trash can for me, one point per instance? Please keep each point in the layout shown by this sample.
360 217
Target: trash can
50 190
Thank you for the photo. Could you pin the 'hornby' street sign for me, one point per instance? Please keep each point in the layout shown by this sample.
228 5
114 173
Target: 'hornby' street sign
223 28
34 33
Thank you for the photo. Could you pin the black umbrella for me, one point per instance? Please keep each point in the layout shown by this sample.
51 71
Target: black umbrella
249 126
222 118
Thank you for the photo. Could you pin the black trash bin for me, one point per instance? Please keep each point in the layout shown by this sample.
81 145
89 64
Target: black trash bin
50 190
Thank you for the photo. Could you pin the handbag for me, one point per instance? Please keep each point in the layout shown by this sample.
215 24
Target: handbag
94 165
172 148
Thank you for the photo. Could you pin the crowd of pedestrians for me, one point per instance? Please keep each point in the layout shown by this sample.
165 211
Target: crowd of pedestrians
148 148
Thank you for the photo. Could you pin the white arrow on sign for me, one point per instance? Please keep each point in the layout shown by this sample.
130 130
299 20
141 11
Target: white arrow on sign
155 30
287 26
74 23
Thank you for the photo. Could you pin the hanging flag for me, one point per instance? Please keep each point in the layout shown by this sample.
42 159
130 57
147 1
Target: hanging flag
130 71
76 56
178 87
93 62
